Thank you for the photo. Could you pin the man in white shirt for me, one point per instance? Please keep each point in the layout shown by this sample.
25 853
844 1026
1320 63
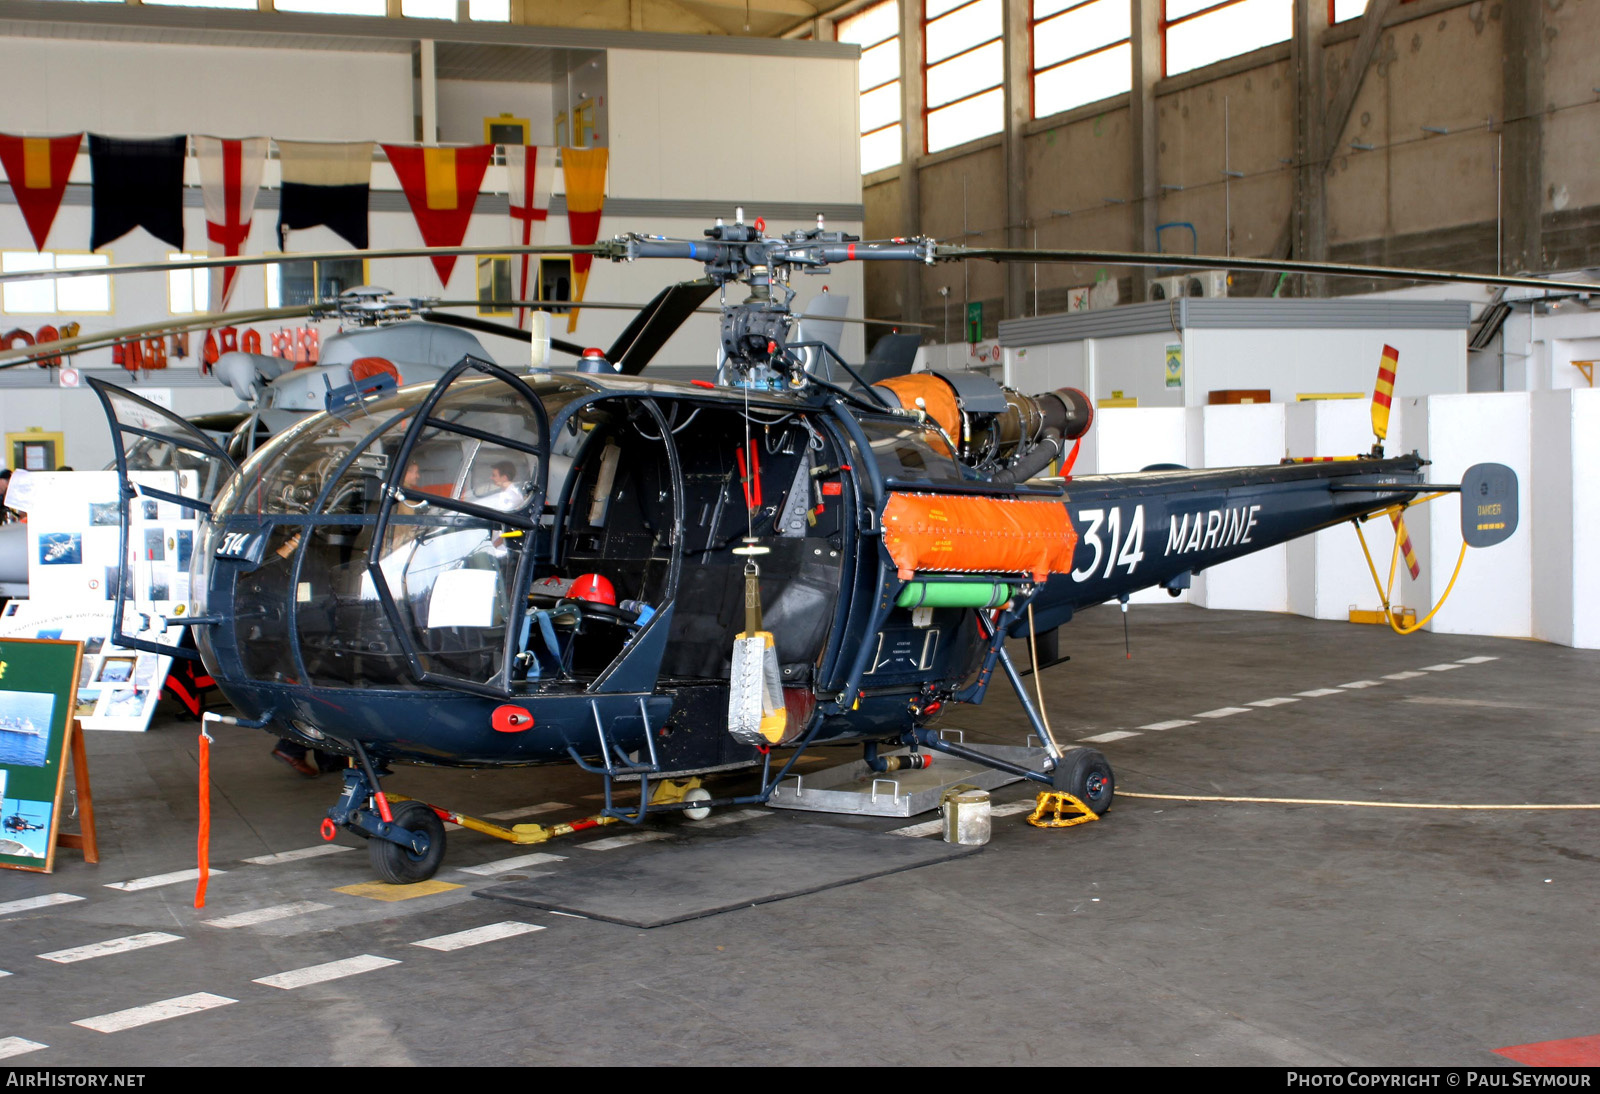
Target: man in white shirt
507 495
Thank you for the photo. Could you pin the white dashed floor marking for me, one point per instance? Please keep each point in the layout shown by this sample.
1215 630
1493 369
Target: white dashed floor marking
4 973
926 828
1174 724
1114 735
477 936
267 915
1317 693
1357 685
16 1046
1476 660
716 820
296 855
110 946
33 903
155 881
1403 675
517 862
1440 668
527 811
614 842
1012 808
1222 712
177 1007
321 974
1276 701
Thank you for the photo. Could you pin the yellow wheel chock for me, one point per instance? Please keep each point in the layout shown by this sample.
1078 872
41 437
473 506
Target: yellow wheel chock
1052 811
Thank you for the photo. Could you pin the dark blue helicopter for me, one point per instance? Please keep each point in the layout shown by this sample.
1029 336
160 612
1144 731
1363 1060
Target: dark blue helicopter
655 580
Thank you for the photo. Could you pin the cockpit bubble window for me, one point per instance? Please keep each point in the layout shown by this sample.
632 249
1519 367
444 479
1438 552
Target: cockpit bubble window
904 453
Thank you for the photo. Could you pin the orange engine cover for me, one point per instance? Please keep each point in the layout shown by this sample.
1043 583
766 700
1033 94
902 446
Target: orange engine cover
932 532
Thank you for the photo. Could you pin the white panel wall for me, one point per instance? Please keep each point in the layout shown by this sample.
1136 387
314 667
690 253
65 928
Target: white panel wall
692 125
1233 436
1494 593
1327 572
1292 362
1566 463
131 89
463 104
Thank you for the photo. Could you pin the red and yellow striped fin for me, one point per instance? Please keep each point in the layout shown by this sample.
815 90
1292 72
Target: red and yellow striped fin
1383 394
1405 544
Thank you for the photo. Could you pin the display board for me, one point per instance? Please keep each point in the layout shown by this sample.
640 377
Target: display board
117 688
37 681
74 526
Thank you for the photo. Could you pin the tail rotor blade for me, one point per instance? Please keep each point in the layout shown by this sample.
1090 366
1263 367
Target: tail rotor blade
1383 393
1405 545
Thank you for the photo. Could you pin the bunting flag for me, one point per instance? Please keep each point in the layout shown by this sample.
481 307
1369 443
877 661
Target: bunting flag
584 171
136 184
441 185
37 168
531 171
230 176
325 184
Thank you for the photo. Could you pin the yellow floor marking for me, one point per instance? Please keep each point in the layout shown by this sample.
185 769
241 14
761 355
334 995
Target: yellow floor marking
380 890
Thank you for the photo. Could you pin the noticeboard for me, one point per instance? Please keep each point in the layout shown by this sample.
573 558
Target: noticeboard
37 682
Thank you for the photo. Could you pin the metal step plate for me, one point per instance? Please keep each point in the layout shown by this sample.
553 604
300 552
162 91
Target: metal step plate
855 788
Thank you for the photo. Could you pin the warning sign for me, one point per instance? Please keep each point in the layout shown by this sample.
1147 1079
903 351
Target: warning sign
1175 364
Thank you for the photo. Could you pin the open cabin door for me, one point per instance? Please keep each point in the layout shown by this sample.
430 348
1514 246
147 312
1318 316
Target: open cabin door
172 472
456 536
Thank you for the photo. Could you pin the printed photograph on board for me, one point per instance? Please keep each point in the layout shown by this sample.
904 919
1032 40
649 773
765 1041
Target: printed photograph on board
25 727
116 670
155 545
25 828
103 514
61 549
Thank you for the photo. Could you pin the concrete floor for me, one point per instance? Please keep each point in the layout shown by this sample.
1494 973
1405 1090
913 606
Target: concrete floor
1169 933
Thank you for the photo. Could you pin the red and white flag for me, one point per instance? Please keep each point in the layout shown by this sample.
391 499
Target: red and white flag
531 171
230 176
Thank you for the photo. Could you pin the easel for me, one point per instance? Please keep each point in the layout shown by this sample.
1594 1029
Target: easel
85 839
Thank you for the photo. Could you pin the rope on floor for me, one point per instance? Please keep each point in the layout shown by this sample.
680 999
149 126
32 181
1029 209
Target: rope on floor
1358 804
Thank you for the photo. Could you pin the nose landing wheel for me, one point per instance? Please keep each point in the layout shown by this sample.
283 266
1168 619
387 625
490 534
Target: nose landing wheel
400 865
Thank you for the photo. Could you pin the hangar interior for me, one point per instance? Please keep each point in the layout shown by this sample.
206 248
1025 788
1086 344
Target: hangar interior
1333 844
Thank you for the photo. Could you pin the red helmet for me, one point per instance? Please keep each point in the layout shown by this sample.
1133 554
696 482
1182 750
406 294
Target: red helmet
595 588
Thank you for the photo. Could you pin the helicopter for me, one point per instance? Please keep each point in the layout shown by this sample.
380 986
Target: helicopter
656 580
20 823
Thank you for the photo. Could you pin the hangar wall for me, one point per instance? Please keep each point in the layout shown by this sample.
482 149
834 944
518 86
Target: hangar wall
1513 165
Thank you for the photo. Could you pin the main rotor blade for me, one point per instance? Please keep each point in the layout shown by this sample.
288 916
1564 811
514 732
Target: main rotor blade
102 339
563 306
504 330
643 338
956 253
276 257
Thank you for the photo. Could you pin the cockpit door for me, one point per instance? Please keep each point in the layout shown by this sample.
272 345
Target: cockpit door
456 536
175 471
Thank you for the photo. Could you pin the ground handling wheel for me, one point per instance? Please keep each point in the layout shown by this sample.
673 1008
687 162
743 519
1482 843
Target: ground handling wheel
400 865
1085 774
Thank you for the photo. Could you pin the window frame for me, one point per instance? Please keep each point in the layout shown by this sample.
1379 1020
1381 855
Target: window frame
927 111
111 298
492 312
1034 71
1163 24
863 92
